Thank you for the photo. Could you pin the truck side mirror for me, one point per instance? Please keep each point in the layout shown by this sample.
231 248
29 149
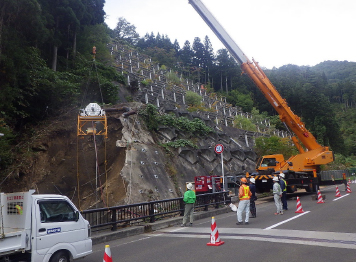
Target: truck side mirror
76 216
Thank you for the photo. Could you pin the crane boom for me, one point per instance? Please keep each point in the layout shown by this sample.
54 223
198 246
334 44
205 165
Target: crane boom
304 165
257 75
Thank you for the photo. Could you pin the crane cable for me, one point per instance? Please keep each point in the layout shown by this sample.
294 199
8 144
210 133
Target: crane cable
105 146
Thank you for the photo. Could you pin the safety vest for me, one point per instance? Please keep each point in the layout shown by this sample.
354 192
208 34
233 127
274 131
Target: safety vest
246 194
285 185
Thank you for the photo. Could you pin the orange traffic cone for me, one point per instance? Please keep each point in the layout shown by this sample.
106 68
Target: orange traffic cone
107 254
337 192
299 206
348 190
214 236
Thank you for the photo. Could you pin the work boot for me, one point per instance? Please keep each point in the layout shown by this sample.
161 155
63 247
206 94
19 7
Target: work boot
182 225
239 223
246 223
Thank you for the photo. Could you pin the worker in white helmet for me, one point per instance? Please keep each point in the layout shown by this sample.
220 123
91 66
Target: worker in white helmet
277 194
189 200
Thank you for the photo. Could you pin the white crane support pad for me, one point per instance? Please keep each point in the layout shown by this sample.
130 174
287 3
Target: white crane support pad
93 109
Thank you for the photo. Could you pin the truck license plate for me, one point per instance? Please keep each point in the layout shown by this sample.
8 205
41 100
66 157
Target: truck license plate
264 180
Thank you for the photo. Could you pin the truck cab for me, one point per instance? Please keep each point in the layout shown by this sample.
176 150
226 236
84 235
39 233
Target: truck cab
42 228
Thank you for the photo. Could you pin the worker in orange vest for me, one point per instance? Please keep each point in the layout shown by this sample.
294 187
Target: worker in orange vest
244 201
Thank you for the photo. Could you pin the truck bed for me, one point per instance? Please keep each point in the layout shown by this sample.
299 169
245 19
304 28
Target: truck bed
12 242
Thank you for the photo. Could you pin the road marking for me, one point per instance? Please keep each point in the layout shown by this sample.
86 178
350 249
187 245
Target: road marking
311 238
340 197
285 221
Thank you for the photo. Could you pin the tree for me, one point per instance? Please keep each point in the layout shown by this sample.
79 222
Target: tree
186 54
126 31
244 123
241 100
208 58
192 98
275 145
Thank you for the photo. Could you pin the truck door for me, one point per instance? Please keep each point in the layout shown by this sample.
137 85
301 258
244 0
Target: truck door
57 224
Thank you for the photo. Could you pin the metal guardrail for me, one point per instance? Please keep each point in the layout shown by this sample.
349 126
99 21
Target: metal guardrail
337 174
124 215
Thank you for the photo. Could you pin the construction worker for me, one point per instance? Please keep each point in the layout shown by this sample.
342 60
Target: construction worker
244 203
189 200
283 185
344 180
277 194
253 197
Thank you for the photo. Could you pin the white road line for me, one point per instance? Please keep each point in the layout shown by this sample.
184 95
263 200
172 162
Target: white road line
285 221
340 197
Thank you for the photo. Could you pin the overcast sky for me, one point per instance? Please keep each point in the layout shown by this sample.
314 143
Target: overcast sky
274 32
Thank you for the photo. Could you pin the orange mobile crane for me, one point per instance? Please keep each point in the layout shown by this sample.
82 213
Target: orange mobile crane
301 170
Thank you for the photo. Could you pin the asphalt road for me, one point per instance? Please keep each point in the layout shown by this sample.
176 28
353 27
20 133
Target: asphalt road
324 232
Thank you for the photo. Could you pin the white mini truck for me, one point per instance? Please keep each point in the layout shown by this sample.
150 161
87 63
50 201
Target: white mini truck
42 228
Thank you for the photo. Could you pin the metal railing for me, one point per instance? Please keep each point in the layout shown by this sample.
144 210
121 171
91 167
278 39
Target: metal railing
336 174
148 212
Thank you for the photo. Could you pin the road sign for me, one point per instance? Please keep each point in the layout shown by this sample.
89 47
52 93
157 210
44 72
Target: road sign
219 148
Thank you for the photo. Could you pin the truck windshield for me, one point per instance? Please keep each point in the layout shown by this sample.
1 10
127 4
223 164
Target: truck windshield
56 211
268 162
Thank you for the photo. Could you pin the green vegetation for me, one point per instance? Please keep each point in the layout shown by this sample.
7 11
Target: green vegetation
46 65
173 78
275 145
179 143
192 98
153 119
341 162
244 123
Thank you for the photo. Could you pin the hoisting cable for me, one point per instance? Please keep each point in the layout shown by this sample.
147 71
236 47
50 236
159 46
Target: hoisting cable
97 171
94 138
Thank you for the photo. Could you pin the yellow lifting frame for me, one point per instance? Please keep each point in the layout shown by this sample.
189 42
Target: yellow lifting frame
87 125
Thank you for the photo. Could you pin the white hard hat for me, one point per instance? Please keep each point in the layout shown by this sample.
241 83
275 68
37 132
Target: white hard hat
275 178
252 180
189 186
282 175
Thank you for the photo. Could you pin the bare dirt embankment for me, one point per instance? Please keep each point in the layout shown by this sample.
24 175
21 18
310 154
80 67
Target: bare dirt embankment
55 160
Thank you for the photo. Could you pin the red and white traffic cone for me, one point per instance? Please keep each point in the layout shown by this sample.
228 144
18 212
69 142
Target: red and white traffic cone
337 192
349 181
320 198
299 206
348 190
214 236
107 254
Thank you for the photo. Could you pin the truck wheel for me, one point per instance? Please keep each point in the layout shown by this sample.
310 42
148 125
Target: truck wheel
60 256
310 188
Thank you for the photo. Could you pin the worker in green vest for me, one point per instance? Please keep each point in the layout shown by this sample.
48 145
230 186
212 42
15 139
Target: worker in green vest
283 184
189 200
